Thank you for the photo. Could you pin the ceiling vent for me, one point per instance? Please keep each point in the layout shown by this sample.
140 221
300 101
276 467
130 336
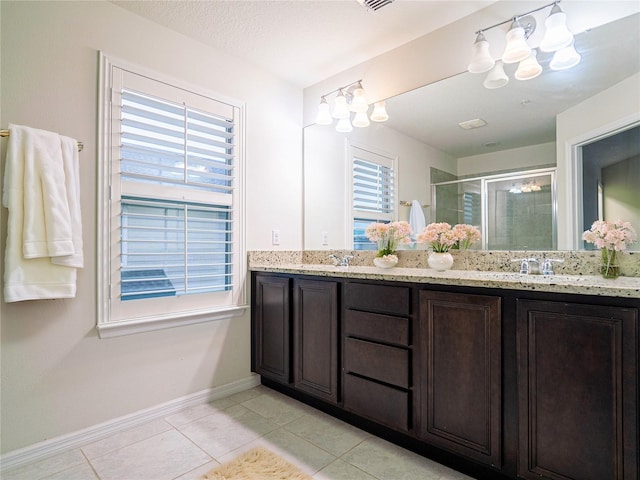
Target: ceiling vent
374 4
470 124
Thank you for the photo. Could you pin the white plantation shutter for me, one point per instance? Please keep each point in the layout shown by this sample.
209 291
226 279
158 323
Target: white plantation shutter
373 193
174 220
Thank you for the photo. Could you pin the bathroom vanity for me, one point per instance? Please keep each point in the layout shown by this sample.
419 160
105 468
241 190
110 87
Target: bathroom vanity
496 375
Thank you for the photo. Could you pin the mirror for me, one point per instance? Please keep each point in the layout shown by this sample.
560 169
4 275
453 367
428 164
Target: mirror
423 135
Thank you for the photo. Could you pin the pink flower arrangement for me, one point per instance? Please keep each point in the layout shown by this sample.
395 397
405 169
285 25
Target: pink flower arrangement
389 235
616 235
467 235
442 237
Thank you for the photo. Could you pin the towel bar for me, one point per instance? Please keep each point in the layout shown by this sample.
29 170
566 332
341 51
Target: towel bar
405 203
5 133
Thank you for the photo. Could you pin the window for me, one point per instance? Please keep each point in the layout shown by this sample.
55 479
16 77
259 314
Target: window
372 191
171 216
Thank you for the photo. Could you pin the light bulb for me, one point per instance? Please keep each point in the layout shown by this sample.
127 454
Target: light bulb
344 125
517 48
361 120
496 78
324 116
529 68
379 113
340 109
359 103
481 61
556 35
565 58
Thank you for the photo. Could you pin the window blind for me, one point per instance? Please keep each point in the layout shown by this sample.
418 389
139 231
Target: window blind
172 245
373 187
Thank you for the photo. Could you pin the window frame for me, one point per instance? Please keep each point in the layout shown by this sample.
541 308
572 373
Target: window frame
112 319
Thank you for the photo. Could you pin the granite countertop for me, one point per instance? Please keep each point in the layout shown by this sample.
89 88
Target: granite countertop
627 287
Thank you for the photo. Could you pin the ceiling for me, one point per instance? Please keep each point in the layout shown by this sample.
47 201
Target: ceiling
303 41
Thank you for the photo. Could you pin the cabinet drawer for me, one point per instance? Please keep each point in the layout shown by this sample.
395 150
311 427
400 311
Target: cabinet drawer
377 298
380 362
383 404
374 326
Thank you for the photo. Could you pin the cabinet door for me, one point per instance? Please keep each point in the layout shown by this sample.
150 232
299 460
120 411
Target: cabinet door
315 343
459 374
577 387
271 325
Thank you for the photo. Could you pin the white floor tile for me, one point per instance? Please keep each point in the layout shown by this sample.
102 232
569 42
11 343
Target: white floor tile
79 472
125 438
277 407
228 430
46 467
341 470
162 457
328 433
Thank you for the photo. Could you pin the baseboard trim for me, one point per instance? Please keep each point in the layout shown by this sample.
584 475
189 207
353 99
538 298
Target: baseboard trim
42 450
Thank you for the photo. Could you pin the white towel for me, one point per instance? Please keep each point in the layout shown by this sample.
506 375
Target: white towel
33 228
70 159
46 229
416 218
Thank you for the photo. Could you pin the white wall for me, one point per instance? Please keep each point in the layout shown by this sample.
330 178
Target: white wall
57 376
524 158
326 189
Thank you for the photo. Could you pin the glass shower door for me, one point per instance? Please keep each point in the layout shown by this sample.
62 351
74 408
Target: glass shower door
520 212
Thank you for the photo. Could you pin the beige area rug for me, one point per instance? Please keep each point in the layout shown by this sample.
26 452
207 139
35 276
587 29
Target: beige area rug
256 464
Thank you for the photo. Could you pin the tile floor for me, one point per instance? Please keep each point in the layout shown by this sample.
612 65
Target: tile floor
189 443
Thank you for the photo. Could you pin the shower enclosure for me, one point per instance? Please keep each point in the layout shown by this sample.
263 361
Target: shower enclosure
514 211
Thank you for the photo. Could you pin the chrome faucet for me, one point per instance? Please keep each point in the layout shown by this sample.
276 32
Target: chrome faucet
533 266
340 261
547 266
528 266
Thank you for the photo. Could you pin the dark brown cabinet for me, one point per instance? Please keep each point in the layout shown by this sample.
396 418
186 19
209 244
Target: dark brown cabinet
315 343
377 354
271 327
495 383
578 391
459 374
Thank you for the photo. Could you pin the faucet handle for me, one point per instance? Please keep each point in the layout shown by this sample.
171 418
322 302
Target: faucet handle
547 266
335 258
524 265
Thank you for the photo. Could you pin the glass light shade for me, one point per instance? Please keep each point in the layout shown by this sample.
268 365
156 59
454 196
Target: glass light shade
529 68
359 103
340 108
379 113
481 61
517 48
565 58
556 35
344 125
324 115
361 120
496 78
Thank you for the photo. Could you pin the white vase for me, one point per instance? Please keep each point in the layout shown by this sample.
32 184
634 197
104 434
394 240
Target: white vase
440 261
385 262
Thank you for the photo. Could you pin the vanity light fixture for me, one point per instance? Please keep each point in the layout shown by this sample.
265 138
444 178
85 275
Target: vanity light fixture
349 99
557 38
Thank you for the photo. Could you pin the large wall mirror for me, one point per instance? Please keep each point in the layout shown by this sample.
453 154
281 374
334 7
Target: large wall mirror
424 138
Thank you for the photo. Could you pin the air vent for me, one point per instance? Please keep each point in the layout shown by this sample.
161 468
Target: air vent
374 4
475 123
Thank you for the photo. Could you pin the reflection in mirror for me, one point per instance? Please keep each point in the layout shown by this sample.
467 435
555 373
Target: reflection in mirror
513 211
610 179
424 136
